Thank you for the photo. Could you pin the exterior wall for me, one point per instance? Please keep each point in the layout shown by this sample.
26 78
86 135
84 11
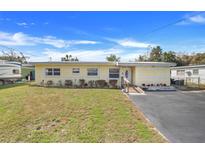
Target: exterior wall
136 74
66 73
189 74
174 73
151 75
6 72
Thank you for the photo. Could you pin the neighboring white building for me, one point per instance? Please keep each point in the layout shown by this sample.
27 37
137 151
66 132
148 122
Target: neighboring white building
194 73
9 71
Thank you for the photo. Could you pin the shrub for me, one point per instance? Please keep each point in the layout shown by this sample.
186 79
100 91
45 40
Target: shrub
42 83
82 83
49 83
91 83
100 83
113 83
60 83
68 83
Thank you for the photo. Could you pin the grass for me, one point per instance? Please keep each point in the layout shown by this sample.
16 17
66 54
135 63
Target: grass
37 114
11 85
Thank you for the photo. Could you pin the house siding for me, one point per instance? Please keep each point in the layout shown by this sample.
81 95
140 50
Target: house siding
152 75
138 75
66 73
194 77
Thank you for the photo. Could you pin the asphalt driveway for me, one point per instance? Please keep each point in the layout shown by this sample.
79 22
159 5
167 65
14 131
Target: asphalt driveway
180 116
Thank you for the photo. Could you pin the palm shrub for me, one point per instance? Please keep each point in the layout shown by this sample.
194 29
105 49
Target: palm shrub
113 83
49 83
100 83
82 83
68 83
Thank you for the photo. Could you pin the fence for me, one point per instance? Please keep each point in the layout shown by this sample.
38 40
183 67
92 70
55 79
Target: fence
194 82
190 81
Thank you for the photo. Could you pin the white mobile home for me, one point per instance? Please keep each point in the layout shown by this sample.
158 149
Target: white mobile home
194 73
9 71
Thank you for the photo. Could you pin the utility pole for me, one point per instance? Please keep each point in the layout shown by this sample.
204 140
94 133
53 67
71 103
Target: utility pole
149 47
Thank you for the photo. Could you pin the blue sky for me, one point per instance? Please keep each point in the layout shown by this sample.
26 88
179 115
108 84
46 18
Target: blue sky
91 36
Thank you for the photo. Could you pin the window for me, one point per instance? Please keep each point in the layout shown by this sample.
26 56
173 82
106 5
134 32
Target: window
49 71
195 71
76 70
52 71
180 72
56 71
92 71
114 73
15 71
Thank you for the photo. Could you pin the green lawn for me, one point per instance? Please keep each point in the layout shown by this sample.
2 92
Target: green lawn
36 114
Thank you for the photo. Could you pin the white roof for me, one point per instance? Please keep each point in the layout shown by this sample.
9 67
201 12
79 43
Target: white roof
147 64
5 62
163 64
190 66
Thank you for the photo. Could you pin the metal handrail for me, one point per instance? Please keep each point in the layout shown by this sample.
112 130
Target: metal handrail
127 85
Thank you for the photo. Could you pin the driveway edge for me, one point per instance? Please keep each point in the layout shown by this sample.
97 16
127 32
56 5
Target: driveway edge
143 115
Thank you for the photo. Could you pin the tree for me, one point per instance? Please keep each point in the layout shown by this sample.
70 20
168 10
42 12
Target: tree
69 58
142 58
113 58
185 59
169 56
198 59
156 54
12 55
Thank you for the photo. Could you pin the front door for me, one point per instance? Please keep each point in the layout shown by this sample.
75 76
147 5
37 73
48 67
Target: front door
127 73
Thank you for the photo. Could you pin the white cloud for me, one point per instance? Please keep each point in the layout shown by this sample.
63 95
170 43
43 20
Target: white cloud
16 39
50 40
183 23
88 55
25 24
5 19
83 55
21 39
131 43
134 44
81 42
22 24
198 19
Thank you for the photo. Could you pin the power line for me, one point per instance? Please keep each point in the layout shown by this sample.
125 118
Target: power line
172 23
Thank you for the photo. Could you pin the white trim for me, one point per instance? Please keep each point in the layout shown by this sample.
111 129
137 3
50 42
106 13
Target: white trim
76 74
115 73
98 72
52 72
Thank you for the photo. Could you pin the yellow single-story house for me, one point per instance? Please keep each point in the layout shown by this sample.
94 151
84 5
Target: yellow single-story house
137 73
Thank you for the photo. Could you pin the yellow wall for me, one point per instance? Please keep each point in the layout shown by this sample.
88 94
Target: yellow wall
140 74
151 75
66 73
